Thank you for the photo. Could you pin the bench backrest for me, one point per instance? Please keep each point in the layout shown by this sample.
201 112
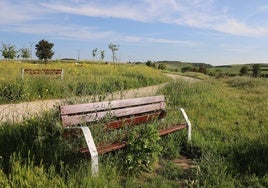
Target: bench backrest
119 112
42 71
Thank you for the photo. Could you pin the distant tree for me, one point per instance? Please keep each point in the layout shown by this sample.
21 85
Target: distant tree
202 68
44 50
149 63
162 66
94 52
102 53
113 48
25 53
8 51
186 69
244 70
256 70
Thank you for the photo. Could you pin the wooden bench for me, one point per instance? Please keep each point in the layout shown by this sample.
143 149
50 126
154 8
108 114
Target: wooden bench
115 115
42 71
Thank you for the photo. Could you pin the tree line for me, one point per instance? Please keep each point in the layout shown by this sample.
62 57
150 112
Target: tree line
44 51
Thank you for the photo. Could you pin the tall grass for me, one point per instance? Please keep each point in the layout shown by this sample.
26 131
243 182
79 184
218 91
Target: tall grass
230 129
79 80
34 153
229 141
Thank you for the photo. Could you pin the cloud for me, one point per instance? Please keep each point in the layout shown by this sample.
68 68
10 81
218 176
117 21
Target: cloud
167 41
76 32
13 12
234 27
70 32
195 13
200 14
94 9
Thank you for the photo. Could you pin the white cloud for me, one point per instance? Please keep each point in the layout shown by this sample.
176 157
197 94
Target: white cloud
166 41
123 11
71 32
20 12
234 27
195 13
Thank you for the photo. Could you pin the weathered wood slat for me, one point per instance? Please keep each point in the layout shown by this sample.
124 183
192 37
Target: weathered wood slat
109 105
132 121
106 148
93 117
172 129
42 71
119 145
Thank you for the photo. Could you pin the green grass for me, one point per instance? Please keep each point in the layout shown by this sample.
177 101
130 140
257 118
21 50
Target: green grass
229 143
230 129
79 80
235 69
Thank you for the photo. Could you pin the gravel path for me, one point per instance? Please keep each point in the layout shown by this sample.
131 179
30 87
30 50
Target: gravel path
13 113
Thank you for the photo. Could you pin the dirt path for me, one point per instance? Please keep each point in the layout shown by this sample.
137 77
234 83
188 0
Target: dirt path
13 113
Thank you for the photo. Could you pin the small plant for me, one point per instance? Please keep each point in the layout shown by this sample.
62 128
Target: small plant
142 150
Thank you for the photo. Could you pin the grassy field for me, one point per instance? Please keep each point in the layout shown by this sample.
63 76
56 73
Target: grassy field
226 69
229 146
230 118
79 80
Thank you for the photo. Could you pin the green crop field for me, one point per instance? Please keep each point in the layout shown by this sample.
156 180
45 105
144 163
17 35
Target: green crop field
229 146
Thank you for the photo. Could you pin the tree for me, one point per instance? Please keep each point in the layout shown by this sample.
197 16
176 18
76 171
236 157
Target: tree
244 70
113 48
186 69
94 52
256 70
102 54
149 63
8 51
25 53
162 66
44 50
202 68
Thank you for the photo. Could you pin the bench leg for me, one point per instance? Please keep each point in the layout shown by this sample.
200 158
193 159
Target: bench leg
91 148
189 126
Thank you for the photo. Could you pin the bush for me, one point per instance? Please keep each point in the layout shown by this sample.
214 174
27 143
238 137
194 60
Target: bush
162 66
142 150
244 70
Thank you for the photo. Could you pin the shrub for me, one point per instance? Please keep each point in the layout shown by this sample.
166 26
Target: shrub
256 70
244 70
142 150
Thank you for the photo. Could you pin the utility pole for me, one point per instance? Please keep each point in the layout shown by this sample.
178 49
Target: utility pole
31 44
78 54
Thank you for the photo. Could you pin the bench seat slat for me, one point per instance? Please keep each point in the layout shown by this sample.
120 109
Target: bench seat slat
93 117
101 106
172 129
119 145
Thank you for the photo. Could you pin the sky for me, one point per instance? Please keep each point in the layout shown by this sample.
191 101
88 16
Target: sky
217 32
